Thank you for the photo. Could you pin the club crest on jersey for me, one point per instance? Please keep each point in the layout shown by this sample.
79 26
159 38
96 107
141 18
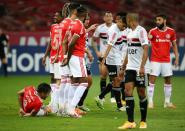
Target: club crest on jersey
168 36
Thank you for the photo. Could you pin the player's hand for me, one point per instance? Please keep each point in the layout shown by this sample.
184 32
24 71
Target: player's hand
93 27
27 114
176 63
142 71
103 61
99 54
21 112
65 62
44 61
121 73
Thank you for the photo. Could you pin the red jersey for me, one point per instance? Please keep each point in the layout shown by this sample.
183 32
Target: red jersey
64 25
78 28
161 43
55 35
31 101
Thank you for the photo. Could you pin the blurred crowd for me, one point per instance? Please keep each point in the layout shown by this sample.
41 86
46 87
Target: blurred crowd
36 15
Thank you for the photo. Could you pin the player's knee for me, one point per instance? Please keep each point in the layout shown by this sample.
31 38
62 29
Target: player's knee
141 92
116 82
83 80
167 80
152 79
128 92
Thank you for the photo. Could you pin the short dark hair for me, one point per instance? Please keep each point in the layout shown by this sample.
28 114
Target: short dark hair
44 88
73 6
81 11
107 12
161 15
121 14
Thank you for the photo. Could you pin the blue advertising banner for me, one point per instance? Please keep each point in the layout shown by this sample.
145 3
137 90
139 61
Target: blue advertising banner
26 60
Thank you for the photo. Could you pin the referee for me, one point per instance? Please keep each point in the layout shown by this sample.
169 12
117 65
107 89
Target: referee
4 47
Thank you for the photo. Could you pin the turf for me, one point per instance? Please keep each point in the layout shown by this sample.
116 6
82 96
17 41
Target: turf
159 119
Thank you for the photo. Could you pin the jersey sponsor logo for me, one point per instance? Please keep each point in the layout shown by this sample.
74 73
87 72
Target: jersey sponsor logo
162 40
132 51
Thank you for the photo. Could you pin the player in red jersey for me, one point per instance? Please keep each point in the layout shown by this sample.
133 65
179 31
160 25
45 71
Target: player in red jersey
88 60
70 11
161 39
75 59
30 100
52 49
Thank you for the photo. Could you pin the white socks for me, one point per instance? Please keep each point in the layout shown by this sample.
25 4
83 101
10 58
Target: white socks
77 95
54 98
167 92
71 93
66 93
150 92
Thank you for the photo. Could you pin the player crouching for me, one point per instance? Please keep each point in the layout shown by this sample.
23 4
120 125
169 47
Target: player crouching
30 100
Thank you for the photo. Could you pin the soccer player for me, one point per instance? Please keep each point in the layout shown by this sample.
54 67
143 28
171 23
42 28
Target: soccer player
88 60
69 11
4 48
30 100
161 39
134 64
75 60
102 33
53 48
114 54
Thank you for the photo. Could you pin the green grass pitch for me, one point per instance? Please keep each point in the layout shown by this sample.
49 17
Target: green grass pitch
159 119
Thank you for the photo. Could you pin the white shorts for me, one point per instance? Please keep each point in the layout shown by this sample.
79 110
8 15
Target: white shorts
65 71
165 69
51 68
57 73
77 66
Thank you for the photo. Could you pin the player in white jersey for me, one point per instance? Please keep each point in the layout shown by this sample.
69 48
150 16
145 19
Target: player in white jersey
113 56
134 64
101 33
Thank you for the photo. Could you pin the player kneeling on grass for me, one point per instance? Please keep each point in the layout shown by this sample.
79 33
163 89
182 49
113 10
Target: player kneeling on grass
30 100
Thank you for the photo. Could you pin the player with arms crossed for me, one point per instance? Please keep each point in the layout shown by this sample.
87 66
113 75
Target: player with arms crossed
137 55
101 33
30 100
161 39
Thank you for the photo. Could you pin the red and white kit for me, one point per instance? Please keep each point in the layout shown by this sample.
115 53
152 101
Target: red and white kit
55 56
65 27
77 62
30 100
160 57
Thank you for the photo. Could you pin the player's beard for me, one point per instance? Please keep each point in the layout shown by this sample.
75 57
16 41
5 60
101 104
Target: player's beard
160 26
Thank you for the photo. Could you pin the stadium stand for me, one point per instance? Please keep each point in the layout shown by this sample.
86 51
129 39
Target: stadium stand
35 15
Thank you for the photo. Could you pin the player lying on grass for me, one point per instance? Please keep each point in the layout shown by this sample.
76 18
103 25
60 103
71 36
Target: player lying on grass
30 100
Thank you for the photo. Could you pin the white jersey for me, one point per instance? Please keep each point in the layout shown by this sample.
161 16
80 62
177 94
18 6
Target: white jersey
118 40
102 33
136 39
87 62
